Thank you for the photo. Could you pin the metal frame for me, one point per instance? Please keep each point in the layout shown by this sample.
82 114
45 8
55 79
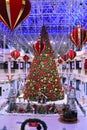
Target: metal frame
59 16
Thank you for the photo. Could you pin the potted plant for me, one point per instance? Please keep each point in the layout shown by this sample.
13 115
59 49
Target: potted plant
70 115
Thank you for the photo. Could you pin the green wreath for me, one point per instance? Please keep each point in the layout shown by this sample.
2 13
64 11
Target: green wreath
34 120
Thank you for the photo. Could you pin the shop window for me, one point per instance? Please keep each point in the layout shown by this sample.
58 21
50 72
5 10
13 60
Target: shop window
28 65
14 65
67 65
78 64
72 65
63 80
71 82
63 66
1 65
21 65
5 65
77 84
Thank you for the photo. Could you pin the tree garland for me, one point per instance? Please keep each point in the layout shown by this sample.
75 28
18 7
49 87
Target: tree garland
34 120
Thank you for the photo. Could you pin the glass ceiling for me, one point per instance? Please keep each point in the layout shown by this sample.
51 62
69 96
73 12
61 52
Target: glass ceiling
59 16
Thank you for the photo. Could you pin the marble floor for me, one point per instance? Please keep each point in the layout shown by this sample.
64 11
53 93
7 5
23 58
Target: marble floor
13 121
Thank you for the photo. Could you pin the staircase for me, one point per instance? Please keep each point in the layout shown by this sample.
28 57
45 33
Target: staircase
81 107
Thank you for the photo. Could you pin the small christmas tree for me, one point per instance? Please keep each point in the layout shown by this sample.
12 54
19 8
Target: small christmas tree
43 77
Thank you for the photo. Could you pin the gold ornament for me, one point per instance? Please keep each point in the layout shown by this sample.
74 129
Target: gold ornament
42 65
55 89
44 87
46 54
55 80
28 80
44 78
48 81
41 80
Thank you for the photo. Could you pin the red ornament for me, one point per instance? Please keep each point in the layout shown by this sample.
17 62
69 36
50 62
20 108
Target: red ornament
72 54
13 12
39 47
26 58
79 36
15 54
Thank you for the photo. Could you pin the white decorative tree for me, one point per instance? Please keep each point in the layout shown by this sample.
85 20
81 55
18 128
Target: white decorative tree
11 100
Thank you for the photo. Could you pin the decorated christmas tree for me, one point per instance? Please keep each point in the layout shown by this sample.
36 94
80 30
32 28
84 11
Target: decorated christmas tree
43 78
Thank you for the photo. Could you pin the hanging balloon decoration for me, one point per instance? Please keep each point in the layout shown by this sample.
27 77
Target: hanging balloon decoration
39 47
85 64
26 58
60 61
72 54
15 54
65 57
13 12
79 37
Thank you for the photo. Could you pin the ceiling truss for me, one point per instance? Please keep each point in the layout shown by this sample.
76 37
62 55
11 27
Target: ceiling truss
59 16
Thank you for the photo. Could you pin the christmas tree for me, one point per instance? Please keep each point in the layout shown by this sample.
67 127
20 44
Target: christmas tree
43 77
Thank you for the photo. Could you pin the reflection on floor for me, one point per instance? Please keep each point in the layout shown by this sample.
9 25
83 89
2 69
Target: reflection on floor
13 121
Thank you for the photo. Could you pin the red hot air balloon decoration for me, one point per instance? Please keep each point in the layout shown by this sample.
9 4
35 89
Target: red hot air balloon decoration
26 58
15 54
72 54
79 36
85 64
13 12
65 57
60 61
39 47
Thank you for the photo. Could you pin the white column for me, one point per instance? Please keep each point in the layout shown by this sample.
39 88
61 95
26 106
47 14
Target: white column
19 67
69 74
9 68
75 82
83 94
83 61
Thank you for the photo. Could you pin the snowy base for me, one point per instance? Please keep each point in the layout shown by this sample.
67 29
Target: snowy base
21 106
21 100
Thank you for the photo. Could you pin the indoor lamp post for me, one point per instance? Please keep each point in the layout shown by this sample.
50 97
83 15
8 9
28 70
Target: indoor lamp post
9 76
82 83
26 58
